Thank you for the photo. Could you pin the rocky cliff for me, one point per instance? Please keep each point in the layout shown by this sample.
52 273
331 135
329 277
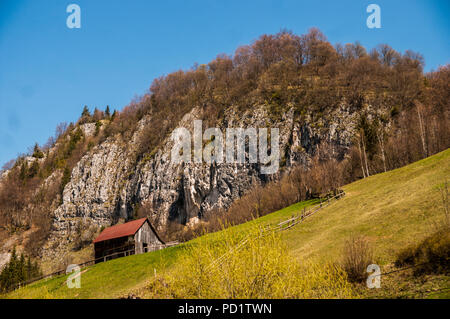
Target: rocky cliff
107 185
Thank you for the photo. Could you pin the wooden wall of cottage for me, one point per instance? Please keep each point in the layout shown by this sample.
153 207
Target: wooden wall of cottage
146 240
108 247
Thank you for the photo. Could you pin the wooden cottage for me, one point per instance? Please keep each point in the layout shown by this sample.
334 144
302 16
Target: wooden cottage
135 237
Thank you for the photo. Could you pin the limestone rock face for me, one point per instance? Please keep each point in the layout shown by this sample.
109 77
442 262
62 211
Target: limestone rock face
94 187
4 259
107 185
88 129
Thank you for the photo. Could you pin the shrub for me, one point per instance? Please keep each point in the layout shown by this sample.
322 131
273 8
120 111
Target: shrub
84 235
40 234
432 255
261 268
98 125
357 255
65 179
37 153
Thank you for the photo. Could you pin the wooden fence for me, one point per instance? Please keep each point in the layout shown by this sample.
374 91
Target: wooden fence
282 226
118 254
302 215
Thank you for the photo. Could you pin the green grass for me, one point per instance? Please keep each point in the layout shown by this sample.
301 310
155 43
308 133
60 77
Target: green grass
116 278
392 209
104 280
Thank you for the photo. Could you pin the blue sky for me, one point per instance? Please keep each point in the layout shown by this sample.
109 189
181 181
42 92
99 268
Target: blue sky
48 72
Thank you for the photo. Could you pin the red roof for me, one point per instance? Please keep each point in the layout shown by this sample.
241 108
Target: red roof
122 230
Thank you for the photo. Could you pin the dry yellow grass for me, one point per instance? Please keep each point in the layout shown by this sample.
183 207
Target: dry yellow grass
392 209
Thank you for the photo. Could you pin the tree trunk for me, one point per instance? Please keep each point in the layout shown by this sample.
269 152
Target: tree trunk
422 131
360 157
364 153
380 136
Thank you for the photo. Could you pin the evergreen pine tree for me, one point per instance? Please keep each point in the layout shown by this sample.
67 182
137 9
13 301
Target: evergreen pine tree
65 179
21 270
85 116
37 153
12 274
23 170
34 169
98 124
13 259
36 270
18 270
29 269
4 278
85 112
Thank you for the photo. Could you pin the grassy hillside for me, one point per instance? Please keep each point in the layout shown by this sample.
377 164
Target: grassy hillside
392 209
117 277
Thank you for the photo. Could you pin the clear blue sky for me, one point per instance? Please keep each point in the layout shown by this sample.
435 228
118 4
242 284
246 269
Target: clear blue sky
48 72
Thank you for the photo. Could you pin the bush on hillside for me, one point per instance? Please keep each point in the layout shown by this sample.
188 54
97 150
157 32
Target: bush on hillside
431 256
357 255
260 268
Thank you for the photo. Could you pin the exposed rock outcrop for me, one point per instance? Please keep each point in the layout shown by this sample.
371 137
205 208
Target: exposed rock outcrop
107 185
